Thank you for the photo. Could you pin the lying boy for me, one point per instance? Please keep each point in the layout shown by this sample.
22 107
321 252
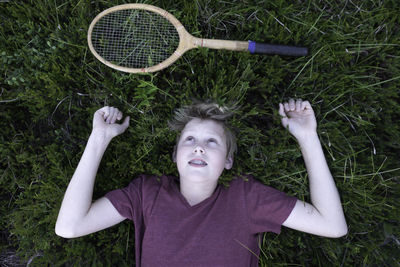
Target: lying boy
191 220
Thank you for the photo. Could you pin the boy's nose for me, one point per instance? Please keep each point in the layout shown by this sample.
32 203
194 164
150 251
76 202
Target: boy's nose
199 149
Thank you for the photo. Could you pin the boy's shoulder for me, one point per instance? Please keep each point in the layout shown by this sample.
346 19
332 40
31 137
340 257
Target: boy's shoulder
250 184
152 181
244 180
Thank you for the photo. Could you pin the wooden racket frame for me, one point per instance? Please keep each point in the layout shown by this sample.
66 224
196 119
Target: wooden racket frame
186 40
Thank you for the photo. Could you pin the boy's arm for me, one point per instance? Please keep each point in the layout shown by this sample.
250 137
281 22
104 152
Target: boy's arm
324 216
77 215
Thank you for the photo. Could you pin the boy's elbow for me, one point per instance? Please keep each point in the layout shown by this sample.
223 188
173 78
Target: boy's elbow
64 231
340 232
63 234
344 232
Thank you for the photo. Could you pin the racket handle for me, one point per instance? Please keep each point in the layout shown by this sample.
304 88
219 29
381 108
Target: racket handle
284 50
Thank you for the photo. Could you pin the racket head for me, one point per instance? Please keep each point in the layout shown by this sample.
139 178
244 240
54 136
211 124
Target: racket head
137 38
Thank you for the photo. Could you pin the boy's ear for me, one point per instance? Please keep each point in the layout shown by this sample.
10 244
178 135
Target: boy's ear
174 154
229 162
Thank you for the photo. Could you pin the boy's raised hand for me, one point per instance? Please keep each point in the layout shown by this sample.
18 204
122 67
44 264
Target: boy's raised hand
104 122
79 215
298 117
324 215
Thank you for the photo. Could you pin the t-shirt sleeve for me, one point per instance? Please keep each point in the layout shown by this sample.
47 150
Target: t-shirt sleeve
125 200
267 207
135 199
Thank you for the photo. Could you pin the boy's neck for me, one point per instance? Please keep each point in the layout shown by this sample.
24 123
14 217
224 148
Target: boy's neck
196 192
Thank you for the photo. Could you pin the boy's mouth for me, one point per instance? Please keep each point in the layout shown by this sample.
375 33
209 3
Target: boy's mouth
197 163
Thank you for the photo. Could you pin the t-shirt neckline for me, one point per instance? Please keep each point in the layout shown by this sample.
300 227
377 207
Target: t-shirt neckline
202 203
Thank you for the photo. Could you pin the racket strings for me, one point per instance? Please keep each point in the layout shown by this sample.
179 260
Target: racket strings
134 38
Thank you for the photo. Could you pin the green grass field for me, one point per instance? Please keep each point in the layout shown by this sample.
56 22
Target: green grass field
51 84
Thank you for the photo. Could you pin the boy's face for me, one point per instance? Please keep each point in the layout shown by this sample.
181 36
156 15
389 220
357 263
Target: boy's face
201 151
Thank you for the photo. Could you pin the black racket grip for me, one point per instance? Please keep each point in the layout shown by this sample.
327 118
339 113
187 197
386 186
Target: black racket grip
283 50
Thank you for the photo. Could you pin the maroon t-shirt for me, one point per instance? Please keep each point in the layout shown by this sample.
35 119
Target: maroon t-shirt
222 230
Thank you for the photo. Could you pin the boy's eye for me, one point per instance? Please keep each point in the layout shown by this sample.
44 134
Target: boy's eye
189 138
212 140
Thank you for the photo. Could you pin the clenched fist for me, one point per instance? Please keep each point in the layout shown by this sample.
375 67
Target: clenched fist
105 122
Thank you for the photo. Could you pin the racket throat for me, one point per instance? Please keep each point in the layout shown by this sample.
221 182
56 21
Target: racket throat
221 44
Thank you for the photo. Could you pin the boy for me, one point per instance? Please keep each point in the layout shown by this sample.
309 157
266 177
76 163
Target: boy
192 221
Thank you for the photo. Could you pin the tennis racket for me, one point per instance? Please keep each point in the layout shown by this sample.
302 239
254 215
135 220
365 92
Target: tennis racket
143 38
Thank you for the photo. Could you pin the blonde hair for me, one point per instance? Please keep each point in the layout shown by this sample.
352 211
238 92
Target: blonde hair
206 110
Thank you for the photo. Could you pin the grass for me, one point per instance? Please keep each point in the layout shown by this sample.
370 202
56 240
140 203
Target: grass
50 86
